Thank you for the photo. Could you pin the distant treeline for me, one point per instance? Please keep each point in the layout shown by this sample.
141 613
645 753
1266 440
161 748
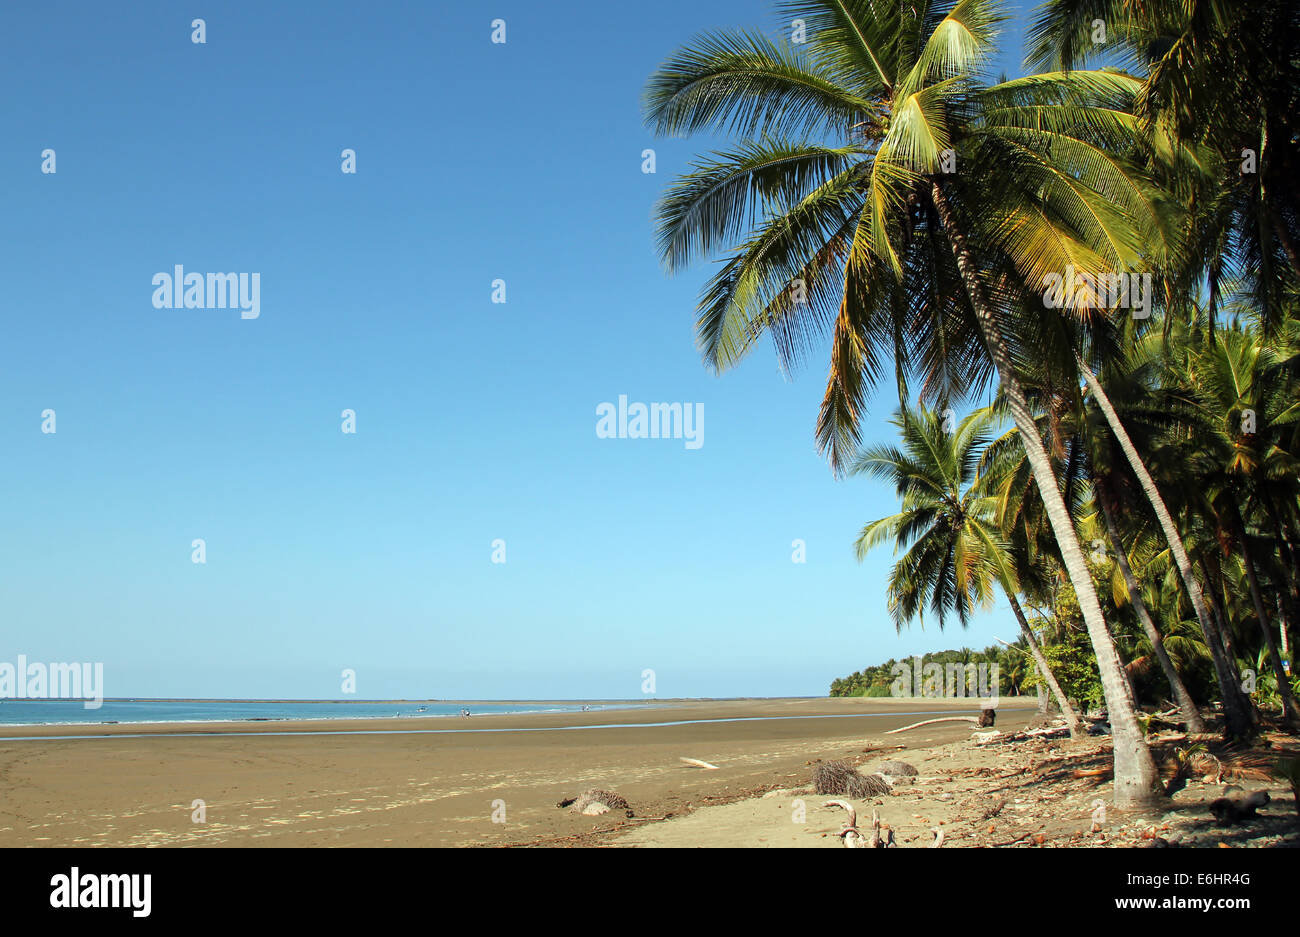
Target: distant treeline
877 680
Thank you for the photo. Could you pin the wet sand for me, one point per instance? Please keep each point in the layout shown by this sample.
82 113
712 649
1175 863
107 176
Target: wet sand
436 782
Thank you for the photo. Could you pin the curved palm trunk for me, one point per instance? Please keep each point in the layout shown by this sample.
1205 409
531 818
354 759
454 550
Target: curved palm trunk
1135 772
1290 714
1067 711
1186 705
1212 597
1227 647
1237 723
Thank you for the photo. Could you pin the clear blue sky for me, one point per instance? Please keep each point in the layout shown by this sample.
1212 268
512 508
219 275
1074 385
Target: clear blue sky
475 421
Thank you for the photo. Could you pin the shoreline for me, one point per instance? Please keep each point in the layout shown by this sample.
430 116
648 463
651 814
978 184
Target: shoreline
601 718
386 785
606 706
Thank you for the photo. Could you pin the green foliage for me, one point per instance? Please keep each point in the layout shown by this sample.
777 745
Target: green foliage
876 681
1075 668
953 557
833 176
1266 689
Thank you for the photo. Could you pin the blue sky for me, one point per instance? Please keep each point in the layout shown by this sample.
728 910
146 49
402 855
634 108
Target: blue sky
475 421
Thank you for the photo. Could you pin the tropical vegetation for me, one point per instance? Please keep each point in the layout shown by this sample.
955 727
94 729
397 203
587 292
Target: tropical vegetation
1097 260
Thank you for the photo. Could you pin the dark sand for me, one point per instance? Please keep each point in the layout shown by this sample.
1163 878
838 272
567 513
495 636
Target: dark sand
326 787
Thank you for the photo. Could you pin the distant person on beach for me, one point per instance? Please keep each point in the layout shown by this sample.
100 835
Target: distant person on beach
465 713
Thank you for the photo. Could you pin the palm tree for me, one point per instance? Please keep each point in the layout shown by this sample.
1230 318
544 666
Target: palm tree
1115 435
1081 449
954 555
1104 495
1235 724
1218 112
1230 396
1063 419
868 236
1219 102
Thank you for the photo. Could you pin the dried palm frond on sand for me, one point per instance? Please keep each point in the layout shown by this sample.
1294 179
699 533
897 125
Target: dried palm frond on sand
840 777
595 802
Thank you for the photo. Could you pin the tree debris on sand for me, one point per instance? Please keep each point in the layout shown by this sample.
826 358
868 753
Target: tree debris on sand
1026 791
895 769
1232 810
881 837
594 802
840 777
984 720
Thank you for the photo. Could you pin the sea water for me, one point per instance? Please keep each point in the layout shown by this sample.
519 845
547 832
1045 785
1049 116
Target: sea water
23 712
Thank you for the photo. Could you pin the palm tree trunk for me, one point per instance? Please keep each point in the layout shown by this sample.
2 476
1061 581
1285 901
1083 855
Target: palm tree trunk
1236 723
1289 563
1040 660
1136 781
1220 613
1225 645
1186 705
1283 238
1286 644
1290 715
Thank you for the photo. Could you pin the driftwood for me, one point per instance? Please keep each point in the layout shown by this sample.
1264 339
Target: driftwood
1022 736
984 720
696 763
974 720
852 836
877 840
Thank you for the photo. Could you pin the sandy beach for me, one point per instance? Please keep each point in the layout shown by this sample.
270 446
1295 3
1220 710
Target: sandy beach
378 783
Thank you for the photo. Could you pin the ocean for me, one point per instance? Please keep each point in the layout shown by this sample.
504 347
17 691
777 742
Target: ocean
23 712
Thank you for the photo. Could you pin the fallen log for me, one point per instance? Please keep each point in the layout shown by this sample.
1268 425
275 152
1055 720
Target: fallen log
975 720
